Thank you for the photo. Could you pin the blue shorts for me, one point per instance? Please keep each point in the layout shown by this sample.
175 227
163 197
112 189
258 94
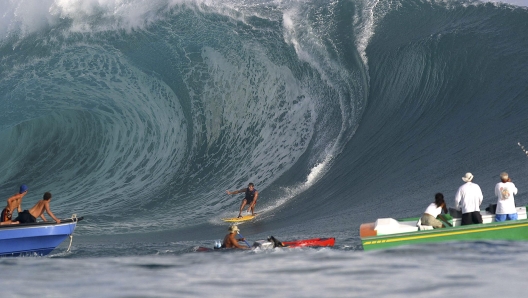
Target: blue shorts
504 217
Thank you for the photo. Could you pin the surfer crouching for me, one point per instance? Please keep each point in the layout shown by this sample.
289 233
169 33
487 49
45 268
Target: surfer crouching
250 198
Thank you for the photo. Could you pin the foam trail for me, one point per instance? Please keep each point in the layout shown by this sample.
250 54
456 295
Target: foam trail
315 174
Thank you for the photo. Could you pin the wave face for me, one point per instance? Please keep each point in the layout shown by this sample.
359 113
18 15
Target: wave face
132 111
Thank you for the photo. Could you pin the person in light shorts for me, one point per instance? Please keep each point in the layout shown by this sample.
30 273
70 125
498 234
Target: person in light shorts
504 191
433 211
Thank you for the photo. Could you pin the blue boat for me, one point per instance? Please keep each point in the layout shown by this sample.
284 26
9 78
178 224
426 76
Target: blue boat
35 239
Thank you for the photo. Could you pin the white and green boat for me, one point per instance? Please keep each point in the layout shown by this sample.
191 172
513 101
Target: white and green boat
389 232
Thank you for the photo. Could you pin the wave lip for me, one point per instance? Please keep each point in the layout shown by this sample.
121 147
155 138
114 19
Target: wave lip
134 111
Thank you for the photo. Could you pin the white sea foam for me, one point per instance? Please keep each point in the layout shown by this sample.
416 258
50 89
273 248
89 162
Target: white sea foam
523 3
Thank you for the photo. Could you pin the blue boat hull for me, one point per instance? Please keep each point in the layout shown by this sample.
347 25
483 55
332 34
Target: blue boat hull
34 239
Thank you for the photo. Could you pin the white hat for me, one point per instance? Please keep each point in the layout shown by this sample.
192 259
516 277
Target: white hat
468 177
504 175
234 229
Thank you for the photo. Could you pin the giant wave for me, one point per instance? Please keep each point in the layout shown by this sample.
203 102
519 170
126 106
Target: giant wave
129 112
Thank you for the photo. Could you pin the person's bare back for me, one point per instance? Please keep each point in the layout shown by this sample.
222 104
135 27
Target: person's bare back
230 241
41 206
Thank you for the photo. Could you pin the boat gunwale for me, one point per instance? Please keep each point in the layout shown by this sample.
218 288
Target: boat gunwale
67 221
451 230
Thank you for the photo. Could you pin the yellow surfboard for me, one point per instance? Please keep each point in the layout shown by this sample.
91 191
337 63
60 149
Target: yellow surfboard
239 219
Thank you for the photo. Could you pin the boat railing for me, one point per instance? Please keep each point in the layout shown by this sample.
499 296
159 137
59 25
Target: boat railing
489 217
387 226
74 218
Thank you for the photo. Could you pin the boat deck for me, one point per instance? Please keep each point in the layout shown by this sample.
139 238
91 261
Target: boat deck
389 226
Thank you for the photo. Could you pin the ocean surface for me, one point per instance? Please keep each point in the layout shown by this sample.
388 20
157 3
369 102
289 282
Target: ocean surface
139 115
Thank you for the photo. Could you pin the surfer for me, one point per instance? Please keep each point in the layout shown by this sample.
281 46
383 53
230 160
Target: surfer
14 202
230 241
31 215
250 198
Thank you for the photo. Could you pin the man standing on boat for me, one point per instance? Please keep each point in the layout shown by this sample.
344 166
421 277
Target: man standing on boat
504 191
14 202
250 198
469 197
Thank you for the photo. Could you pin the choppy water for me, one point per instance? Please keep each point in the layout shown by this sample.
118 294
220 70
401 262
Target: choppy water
162 270
138 115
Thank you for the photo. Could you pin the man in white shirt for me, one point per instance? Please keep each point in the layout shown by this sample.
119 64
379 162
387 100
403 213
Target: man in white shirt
504 191
469 197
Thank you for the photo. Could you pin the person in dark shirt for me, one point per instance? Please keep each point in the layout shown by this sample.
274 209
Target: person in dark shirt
250 198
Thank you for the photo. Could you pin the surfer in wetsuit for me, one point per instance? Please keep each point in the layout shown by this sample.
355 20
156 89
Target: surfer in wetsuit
250 198
230 241
31 215
14 202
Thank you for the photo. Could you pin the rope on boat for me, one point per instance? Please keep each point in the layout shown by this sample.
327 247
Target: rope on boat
69 246
74 219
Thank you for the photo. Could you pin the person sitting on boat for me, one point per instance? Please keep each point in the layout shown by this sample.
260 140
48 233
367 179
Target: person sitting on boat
250 198
14 202
433 211
504 191
468 198
28 216
230 241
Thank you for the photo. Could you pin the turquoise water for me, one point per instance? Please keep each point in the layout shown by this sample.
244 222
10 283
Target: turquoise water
139 115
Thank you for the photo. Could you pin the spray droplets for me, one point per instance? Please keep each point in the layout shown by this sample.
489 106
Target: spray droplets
522 147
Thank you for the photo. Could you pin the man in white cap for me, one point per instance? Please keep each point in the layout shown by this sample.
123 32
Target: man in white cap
504 191
230 241
469 197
